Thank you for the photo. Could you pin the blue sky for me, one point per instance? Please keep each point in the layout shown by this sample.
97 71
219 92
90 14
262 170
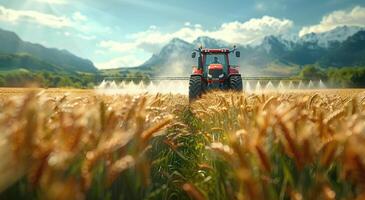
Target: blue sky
116 33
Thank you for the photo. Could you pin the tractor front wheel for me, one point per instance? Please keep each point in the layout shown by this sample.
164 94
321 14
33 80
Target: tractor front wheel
235 83
195 87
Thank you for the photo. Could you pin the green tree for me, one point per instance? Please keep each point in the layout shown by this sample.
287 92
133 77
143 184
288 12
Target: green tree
65 82
312 73
21 78
347 77
2 82
358 79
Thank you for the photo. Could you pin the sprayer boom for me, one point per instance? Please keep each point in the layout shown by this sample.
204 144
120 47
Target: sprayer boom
162 78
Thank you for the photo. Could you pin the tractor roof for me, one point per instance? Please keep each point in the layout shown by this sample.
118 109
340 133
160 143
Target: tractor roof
224 50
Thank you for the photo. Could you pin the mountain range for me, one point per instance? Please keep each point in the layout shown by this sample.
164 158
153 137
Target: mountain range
276 55
16 53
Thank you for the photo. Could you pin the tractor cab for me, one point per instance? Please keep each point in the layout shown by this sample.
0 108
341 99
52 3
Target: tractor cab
214 71
215 64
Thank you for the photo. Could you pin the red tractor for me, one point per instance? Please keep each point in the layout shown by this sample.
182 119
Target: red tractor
214 71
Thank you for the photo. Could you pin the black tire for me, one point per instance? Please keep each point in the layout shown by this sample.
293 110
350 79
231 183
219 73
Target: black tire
235 83
204 87
195 87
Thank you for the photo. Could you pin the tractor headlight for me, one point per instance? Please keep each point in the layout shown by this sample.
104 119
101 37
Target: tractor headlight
210 76
221 76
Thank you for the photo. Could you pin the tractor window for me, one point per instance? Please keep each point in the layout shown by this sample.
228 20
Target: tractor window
215 59
233 60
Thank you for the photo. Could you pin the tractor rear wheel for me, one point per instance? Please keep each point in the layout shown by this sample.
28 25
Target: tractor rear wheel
235 83
195 87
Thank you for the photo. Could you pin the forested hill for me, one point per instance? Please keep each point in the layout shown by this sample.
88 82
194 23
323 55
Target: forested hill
16 53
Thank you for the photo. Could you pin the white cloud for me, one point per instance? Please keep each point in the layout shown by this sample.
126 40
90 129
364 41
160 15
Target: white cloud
124 61
117 46
77 22
198 26
236 32
354 17
53 1
77 16
86 37
52 21
253 30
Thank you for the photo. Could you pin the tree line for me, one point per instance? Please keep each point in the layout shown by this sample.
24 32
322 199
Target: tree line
345 77
22 78
353 77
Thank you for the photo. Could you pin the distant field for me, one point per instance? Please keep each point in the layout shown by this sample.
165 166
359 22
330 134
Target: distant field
81 144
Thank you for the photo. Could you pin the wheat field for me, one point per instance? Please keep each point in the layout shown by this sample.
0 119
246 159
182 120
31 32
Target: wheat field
78 144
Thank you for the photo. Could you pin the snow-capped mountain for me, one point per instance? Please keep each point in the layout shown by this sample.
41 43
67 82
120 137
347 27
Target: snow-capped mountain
343 46
276 44
174 59
210 42
326 39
